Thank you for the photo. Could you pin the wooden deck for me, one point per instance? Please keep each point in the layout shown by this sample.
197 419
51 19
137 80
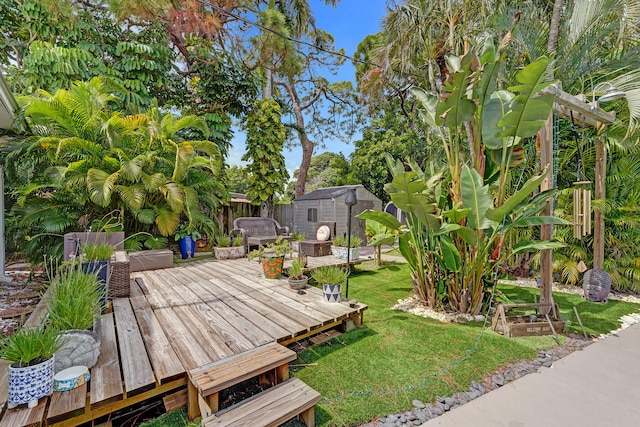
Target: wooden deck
176 320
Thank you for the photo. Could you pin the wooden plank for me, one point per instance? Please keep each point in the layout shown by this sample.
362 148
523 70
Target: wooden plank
575 104
211 327
39 313
4 382
101 411
23 416
175 400
232 370
67 402
106 382
136 368
241 333
187 348
269 408
164 360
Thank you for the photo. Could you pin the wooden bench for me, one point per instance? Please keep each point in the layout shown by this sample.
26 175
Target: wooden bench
272 407
210 379
256 231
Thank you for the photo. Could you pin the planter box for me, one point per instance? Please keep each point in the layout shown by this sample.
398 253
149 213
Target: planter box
525 325
229 253
340 252
28 384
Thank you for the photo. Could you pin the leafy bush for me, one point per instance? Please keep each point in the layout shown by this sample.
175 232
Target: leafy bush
30 346
297 237
273 250
75 299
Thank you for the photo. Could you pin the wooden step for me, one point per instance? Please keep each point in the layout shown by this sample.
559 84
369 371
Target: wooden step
208 380
272 407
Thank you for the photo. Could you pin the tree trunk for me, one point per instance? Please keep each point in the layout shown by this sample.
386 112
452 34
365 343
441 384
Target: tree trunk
554 26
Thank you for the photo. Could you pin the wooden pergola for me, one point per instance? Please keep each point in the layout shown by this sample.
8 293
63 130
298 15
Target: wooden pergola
576 109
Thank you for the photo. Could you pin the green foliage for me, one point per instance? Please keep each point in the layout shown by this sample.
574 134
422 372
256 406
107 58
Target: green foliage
277 249
97 251
74 301
237 179
30 346
296 271
88 157
330 275
265 141
237 241
343 241
223 241
186 229
297 237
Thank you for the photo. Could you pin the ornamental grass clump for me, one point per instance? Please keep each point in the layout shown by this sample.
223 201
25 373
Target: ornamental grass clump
97 251
30 346
330 275
344 241
75 300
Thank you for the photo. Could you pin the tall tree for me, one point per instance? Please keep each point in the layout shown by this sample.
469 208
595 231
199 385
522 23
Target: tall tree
265 141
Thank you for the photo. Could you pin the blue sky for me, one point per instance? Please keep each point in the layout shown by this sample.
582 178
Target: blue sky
349 23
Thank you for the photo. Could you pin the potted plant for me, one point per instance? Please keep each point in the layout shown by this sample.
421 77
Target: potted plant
31 353
74 304
186 237
228 247
297 279
95 260
341 246
296 238
331 278
272 257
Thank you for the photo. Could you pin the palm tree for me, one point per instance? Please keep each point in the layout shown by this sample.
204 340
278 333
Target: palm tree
93 159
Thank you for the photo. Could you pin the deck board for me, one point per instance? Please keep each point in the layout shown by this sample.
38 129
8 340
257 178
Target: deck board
105 375
136 367
65 402
164 360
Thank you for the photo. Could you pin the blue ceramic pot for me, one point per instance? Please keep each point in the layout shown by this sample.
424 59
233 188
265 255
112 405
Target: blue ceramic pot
187 247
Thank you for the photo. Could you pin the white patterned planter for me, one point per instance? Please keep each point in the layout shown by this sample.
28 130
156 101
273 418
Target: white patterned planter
331 293
229 253
28 384
340 252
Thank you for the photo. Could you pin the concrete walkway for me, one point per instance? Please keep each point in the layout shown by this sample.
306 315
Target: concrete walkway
596 387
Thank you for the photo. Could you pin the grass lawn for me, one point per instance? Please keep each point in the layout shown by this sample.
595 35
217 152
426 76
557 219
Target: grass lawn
398 357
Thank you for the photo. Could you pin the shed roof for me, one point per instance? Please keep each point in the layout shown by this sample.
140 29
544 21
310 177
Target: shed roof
327 193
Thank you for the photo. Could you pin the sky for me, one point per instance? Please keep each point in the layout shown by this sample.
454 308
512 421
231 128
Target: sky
349 23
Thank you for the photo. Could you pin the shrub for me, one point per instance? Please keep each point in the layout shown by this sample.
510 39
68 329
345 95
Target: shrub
223 241
97 251
344 241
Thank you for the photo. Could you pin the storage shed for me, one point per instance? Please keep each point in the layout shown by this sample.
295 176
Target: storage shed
325 206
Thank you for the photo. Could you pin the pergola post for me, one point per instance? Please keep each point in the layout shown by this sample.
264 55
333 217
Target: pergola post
600 193
577 110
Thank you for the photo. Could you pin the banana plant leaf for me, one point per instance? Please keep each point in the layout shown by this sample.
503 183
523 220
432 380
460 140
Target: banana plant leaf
512 202
476 197
450 255
535 246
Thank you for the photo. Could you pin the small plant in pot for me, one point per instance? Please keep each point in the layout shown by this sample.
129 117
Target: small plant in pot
296 238
341 245
331 278
74 305
31 353
186 236
95 260
272 257
297 279
228 247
